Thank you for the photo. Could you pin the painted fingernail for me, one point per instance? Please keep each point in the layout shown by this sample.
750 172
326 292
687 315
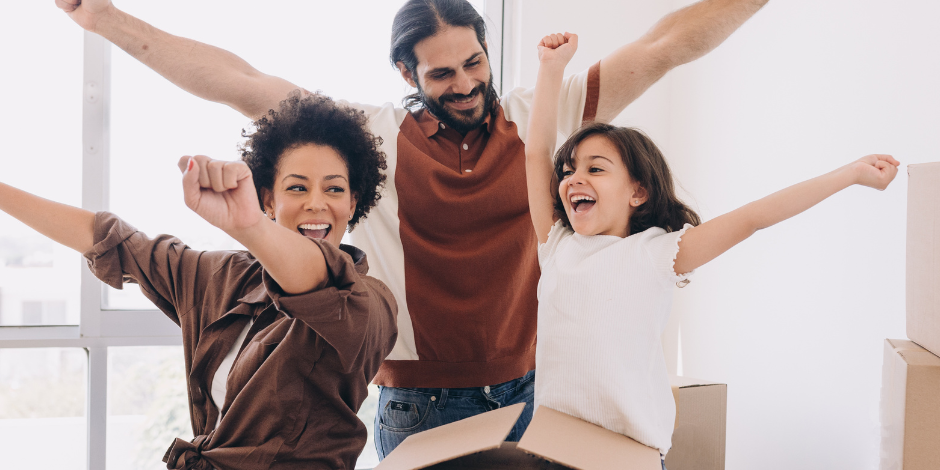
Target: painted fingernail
190 165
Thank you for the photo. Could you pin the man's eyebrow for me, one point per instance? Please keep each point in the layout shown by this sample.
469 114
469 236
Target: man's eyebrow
448 69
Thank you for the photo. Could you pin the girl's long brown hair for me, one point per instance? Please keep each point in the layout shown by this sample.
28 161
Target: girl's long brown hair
646 166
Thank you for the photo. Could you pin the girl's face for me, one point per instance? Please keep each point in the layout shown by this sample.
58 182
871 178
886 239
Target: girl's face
598 194
311 193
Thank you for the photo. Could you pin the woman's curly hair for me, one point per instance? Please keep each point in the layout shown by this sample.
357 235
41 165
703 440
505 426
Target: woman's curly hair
317 119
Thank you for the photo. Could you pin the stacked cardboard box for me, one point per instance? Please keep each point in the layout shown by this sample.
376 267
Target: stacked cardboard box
555 440
910 392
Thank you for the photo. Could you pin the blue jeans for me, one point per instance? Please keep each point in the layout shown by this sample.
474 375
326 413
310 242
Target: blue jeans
405 411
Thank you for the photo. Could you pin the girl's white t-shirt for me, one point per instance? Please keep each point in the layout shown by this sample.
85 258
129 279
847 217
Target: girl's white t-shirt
603 306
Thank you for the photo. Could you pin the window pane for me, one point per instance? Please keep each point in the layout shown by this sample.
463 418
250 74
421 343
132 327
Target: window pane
369 457
39 279
147 405
42 407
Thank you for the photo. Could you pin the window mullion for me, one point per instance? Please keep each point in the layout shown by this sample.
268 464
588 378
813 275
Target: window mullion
97 407
96 144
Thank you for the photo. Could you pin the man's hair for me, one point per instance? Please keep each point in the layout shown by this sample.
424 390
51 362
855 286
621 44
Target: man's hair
317 119
645 165
418 20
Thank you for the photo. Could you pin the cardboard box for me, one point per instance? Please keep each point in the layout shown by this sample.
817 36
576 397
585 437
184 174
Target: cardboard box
923 255
553 440
910 407
698 441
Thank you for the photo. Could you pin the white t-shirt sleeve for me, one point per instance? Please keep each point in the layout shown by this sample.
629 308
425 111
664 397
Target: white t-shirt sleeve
547 250
663 248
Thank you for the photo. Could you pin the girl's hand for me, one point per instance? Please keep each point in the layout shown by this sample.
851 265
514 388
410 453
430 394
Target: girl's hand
558 48
875 171
221 192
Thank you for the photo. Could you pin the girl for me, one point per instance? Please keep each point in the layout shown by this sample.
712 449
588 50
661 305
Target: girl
613 240
280 342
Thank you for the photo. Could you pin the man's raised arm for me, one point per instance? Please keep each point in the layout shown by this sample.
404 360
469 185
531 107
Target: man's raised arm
203 70
680 37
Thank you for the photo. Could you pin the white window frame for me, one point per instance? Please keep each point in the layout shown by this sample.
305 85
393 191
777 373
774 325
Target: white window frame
101 328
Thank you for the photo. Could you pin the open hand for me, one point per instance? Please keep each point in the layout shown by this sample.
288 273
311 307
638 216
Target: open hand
85 12
875 171
221 192
558 48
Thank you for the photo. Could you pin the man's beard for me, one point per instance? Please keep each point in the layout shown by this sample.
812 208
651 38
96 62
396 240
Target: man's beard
466 120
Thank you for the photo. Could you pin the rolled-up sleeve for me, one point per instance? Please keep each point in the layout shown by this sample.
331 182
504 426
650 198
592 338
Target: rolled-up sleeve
166 269
352 312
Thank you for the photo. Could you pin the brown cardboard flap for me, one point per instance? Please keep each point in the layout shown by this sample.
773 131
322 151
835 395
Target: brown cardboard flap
910 407
569 441
675 396
467 436
923 255
698 442
505 457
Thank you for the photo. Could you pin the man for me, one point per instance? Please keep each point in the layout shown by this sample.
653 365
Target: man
452 235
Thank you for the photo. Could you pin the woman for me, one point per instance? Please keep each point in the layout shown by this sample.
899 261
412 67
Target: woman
281 341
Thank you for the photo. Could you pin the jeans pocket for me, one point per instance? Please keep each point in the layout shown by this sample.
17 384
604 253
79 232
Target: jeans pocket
405 414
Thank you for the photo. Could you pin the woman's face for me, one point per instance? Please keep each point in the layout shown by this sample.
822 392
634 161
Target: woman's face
311 193
597 192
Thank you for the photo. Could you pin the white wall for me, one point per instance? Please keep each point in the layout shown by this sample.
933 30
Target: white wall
794 318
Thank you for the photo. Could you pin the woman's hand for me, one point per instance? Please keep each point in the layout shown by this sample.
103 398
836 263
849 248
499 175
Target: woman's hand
558 48
221 192
875 171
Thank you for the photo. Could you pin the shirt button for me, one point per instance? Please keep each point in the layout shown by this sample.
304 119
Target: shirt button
465 146
486 389
442 125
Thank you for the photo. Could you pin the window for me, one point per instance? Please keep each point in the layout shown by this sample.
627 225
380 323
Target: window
93 369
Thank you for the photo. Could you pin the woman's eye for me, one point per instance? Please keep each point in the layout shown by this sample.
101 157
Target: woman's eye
336 189
296 188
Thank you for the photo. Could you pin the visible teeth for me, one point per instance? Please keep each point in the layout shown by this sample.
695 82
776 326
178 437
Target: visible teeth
581 197
314 226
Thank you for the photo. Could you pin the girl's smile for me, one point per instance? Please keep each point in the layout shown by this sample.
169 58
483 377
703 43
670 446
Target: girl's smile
597 192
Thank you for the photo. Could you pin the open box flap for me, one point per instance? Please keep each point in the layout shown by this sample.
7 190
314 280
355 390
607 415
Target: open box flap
467 436
569 441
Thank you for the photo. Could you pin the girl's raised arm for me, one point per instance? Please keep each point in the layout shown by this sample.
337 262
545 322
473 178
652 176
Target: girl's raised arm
68 225
555 51
705 242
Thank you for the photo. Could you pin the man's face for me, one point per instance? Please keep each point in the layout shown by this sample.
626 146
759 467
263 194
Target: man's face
453 77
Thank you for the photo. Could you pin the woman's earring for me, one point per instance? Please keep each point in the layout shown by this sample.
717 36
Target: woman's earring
636 202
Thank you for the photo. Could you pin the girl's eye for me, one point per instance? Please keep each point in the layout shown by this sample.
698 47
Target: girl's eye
595 170
567 173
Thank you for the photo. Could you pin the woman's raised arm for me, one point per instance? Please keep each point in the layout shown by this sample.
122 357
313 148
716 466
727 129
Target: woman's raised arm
68 225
